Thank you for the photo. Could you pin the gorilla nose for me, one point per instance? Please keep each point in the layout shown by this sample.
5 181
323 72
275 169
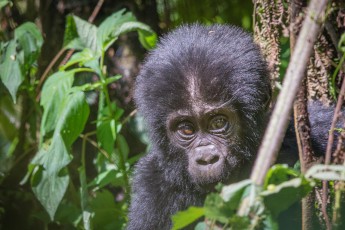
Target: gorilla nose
208 159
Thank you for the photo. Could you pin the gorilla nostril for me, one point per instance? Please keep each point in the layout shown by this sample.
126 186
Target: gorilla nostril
201 162
209 160
214 159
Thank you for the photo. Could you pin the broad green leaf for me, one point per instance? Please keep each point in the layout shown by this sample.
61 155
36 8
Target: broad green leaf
280 197
11 72
76 44
54 91
185 218
84 58
72 119
4 3
147 38
122 146
68 213
108 29
71 33
106 135
327 172
79 58
108 127
119 23
278 174
30 40
50 182
87 34
233 193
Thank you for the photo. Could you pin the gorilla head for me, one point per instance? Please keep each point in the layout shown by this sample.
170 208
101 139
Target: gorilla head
203 93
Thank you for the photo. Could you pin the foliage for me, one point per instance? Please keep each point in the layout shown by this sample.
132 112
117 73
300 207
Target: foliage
283 187
65 115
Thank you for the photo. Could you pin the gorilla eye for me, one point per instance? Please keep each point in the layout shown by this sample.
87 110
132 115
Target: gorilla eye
185 129
218 124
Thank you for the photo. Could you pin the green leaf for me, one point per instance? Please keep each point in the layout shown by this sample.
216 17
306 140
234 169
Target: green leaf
106 135
122 145
108 30
79 58
72 119
87 33
84 58
68 213
233 193
30 40
54 91
280 197
147 38
10 70
71 33
4 3
278 174
119 23
49 185
185 218
327 172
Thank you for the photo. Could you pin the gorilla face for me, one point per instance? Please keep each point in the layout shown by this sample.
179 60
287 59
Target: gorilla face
208 138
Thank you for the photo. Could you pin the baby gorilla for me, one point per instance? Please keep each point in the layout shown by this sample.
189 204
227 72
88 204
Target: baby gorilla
204 94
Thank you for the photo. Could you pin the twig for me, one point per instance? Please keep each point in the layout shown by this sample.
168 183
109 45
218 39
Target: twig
329 152
295 73
129 117
96 11
92 142
302 124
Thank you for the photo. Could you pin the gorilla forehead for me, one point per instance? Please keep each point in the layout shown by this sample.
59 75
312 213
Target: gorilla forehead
197 65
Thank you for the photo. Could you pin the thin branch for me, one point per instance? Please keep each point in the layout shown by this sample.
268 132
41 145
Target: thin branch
295 73
92 142
96 11
329 152
301 121
129 117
